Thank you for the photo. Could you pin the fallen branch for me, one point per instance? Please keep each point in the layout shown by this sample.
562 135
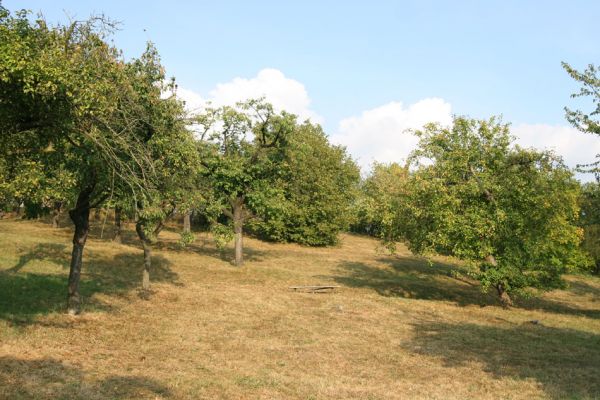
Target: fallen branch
314 288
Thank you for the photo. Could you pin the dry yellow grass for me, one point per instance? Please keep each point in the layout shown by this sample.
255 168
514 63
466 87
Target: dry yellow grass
396 329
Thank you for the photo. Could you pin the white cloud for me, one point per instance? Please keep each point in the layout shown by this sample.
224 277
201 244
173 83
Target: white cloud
573 146
193 101
283 92
380 134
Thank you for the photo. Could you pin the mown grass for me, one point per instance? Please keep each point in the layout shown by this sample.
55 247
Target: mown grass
397 327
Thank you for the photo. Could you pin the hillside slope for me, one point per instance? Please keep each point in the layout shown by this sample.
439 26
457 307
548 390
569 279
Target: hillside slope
397 327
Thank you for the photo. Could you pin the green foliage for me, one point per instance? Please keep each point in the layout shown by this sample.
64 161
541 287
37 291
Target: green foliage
311 193
222 235
509 212
590 221
381 194
237 152
186 239
68 103
170 147
586 122
39 188
590 88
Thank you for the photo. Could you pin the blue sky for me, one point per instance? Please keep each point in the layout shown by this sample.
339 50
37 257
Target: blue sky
362 65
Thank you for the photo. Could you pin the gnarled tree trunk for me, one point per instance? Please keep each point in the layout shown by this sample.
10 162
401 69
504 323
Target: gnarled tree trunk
80 216
56 212
504 297
117 238
502 294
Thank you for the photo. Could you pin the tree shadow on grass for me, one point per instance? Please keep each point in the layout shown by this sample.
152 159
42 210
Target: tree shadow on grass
25 296
564 361
50 379
557 307
581 288
124 270
411 277
205 247
54 252
415 278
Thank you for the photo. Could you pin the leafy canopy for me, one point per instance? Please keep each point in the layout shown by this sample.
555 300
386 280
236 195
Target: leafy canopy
68 103
315 185
378 200
508 211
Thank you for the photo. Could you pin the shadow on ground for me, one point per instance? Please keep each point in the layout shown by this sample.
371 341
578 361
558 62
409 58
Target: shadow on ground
26 295
584 289
563 361
50 379
54 252
540 303
205 246
412 277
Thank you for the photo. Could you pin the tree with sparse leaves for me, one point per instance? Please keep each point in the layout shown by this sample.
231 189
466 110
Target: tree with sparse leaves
586 122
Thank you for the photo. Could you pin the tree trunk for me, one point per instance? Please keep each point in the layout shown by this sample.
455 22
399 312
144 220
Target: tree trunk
238 226
117 238
504 297
187 222
239 245
147 265
97 213
597 270
80 216
147 245
56 212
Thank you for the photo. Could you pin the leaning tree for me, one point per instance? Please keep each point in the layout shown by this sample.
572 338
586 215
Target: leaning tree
67 102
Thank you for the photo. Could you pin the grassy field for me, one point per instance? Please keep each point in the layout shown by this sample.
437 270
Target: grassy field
397 328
